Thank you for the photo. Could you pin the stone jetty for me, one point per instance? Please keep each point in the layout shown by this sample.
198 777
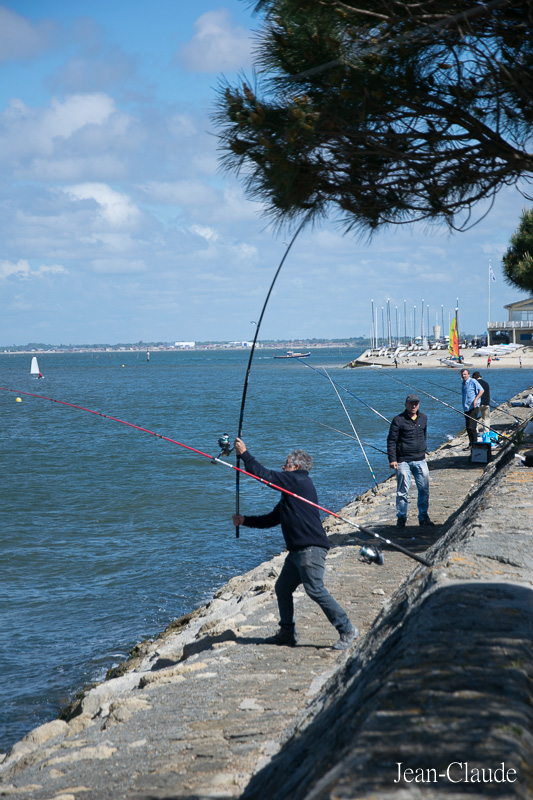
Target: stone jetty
433 698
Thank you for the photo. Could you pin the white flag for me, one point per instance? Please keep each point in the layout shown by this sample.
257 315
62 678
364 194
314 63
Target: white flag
491 273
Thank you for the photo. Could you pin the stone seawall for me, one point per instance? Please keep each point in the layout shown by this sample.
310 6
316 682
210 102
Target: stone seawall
440 674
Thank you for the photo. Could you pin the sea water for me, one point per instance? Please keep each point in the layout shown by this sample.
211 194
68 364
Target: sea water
108 533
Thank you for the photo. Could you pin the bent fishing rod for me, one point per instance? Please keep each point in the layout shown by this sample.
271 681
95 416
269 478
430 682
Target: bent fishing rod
249 367
343 388
462 413
218 460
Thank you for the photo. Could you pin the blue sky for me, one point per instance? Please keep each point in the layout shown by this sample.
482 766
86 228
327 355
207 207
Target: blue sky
116 224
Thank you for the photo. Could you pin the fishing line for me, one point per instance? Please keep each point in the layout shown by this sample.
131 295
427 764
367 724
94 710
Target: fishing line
410 385
376 488
492 403
373 446
217 460
344 388
245 387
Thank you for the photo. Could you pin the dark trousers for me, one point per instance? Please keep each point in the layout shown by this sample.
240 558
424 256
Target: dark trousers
471 424
307 567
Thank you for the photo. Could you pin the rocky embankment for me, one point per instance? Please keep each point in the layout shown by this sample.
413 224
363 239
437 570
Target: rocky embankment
439 678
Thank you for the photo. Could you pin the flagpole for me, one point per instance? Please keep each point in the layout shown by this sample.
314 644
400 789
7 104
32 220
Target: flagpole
489 303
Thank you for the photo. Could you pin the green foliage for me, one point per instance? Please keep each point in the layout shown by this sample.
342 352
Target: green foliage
518 260
382 111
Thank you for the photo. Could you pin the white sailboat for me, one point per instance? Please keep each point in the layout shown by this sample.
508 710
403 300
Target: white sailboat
34 369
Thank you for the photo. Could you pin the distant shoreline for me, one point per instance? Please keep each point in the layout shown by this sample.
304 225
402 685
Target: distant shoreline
169 349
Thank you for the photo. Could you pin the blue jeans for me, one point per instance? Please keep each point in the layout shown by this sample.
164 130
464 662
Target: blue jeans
307 566
420 472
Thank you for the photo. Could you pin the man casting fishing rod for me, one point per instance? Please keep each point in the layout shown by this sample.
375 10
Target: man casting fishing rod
306 542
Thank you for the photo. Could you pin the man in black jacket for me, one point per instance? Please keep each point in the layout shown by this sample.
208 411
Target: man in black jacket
306 542
406 445
484 404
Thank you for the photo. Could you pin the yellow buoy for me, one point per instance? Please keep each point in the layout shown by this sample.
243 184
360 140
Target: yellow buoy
18 400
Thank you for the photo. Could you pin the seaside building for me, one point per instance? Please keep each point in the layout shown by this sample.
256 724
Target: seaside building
518 329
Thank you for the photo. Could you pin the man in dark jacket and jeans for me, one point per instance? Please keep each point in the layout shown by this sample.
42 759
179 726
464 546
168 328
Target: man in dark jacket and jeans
306 542
406 445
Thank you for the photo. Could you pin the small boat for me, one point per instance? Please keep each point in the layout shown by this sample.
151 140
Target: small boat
450 362
34 369
292 354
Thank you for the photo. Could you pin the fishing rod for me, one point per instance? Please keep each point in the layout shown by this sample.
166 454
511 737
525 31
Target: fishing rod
462 413
218 460
344 388
376 487
249 367
373 446
492 403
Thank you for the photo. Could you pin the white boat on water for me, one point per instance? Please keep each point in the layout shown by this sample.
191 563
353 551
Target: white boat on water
34 369
292 354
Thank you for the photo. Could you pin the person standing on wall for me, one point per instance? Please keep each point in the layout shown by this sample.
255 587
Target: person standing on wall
306 542
484 405
406 446
472 392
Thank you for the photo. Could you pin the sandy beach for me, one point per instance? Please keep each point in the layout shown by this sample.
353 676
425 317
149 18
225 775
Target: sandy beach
521 358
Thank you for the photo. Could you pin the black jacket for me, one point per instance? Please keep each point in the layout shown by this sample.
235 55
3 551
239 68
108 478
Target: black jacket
407 438
485 397
300 522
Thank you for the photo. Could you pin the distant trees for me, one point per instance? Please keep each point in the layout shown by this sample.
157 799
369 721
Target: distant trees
383 111
518 260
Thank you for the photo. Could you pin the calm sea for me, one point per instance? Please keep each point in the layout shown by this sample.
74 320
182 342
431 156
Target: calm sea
108 533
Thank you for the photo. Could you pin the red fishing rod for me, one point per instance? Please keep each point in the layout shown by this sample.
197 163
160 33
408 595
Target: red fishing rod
217 460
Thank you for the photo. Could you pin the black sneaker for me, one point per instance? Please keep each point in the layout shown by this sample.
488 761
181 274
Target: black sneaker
426 522
345 639
285 636
400 522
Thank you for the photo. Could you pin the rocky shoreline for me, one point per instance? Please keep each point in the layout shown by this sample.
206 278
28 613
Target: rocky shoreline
206 710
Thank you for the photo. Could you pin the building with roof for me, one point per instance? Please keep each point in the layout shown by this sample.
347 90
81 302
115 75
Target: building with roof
518 329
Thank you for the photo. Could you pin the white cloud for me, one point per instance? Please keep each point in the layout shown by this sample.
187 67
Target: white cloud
217 45
63 119
115 208
27 132
188 192
21 39
66 170
206 233
235 207
22 269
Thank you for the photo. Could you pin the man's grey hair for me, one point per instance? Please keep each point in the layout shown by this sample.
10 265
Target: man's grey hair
302 458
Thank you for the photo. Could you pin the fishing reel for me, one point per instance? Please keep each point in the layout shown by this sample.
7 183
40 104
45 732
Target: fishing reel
371 554
223 443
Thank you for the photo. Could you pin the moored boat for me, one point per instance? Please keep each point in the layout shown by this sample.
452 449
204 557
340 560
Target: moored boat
291 354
